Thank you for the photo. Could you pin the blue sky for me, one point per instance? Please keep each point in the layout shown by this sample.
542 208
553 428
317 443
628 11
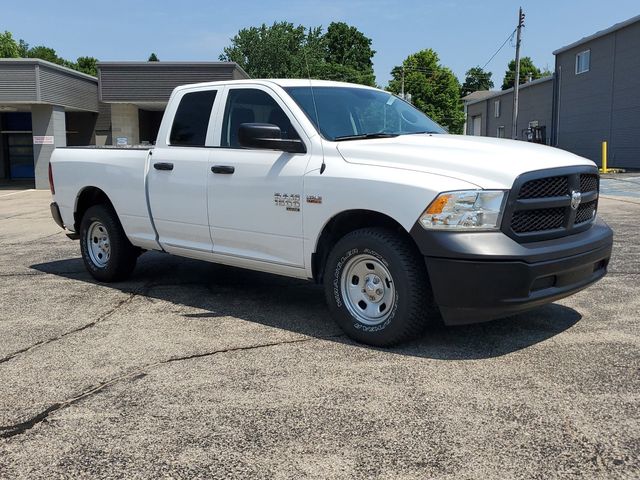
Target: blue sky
464 33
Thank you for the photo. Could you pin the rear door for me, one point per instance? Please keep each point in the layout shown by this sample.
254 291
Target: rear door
179 172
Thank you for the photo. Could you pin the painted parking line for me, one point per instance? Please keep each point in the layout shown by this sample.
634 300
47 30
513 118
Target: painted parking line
16 193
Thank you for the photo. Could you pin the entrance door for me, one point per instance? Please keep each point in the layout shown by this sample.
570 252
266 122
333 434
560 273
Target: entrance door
20 153
255 196
477 125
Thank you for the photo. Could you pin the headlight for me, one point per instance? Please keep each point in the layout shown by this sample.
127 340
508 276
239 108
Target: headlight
465 210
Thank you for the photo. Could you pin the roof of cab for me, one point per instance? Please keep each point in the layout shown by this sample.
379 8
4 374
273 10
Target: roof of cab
282 82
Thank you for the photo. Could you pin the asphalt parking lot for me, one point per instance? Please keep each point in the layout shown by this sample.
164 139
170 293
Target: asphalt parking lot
192 370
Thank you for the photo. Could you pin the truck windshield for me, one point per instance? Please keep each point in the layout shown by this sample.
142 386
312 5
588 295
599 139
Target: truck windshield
350 113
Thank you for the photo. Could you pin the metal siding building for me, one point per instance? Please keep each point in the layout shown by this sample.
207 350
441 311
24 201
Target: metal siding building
535 105
44 106
28 81
153 82
602 103
136 94
585 104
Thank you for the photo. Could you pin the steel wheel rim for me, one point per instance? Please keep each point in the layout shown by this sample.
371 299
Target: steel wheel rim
368 289
98 244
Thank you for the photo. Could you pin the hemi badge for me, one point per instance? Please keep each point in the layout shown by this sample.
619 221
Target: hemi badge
314 199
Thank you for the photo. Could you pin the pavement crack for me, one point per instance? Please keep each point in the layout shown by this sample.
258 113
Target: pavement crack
101 318
18 428
21 274
136 374
233 349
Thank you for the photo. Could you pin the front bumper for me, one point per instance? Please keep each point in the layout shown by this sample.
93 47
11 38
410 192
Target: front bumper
481 276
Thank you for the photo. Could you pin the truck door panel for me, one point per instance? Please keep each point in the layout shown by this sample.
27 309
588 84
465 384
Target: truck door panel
178 177
256 212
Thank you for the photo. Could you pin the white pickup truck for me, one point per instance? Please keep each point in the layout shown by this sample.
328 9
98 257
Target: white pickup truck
348 186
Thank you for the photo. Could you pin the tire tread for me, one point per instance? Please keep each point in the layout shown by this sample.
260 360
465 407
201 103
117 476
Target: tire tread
123 254
421 306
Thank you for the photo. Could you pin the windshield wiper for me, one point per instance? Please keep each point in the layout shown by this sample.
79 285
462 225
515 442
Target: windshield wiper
418 133
366 135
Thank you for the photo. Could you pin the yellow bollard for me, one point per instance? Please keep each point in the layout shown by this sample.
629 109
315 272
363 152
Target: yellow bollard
604 157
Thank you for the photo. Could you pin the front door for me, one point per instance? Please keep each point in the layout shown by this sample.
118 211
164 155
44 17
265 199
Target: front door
255 196
477 125
20 153
178 176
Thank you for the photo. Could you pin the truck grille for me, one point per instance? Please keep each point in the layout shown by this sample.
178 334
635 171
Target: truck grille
540 206
545 187
586 212
537 220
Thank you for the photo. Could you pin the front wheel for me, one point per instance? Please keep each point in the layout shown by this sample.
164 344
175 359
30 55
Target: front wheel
377 287
107 253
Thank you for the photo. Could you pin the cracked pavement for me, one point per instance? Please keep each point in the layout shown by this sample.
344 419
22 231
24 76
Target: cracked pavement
193 370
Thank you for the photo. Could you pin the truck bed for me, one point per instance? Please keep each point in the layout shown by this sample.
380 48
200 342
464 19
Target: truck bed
119 172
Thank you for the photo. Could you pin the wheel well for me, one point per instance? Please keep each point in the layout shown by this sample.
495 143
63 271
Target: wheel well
89 197
341 225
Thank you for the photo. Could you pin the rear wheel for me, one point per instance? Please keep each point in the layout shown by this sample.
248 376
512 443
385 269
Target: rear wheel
377 287
107 253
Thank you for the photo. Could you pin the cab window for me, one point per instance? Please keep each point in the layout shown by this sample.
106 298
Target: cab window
249 105
190 124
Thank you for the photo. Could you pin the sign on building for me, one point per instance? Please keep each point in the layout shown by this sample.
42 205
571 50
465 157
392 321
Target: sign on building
43 140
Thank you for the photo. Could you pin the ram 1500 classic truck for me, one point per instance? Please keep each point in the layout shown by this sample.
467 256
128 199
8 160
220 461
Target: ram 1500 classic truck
348 186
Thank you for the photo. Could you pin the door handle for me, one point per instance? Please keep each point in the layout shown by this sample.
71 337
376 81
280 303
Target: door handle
163 166
227 169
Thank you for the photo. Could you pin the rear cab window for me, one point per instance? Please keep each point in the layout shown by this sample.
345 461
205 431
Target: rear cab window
191 121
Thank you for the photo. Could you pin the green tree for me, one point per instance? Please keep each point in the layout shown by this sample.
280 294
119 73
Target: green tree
45 53
476 79
434 88
23 48
527 69
264 52
88 65
9 48
283 50
348 54
153 58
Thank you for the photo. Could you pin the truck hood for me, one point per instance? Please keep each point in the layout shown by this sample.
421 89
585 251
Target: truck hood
485 162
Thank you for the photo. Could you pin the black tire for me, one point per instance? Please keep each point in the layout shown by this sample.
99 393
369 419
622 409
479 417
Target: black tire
122 254
413 307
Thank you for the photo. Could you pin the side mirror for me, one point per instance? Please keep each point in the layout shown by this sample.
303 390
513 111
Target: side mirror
267 136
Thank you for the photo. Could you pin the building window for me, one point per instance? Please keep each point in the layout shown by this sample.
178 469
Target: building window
496 108
583 61
500 132
190 124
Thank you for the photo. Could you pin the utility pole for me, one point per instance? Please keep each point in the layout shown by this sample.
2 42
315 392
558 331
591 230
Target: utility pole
516 80
402 89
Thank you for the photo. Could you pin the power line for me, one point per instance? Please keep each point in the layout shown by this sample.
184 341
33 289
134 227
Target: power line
501 47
